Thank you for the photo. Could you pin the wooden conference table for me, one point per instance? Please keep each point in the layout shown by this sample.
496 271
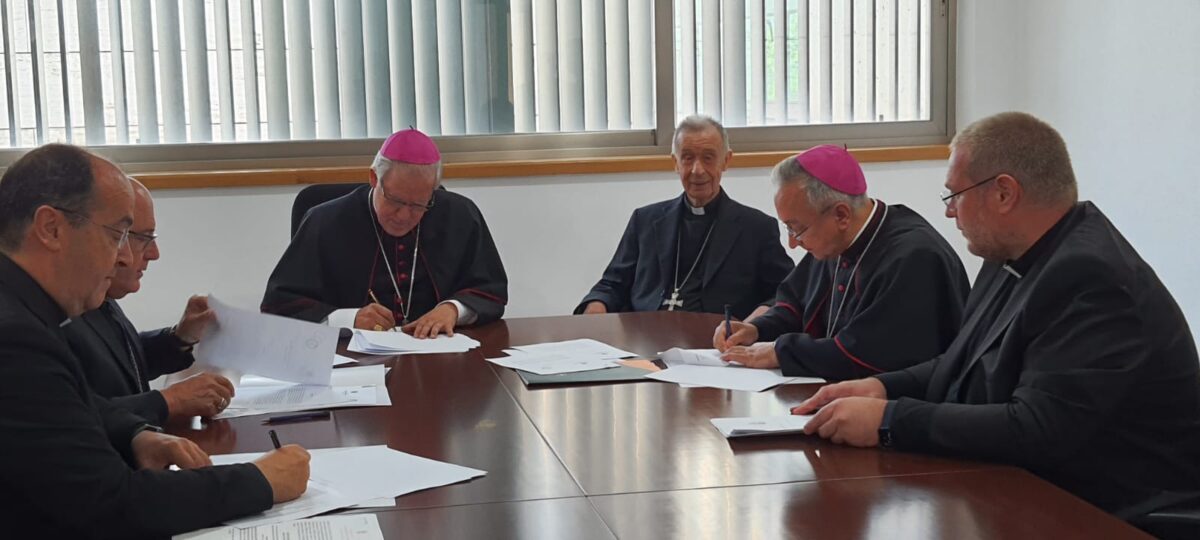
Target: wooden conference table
641 460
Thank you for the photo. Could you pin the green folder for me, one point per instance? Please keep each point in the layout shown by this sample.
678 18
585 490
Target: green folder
617 374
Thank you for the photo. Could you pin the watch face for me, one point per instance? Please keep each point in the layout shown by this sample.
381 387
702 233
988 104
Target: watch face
885 437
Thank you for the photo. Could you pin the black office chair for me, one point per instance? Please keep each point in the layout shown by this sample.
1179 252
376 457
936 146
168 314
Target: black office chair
314 195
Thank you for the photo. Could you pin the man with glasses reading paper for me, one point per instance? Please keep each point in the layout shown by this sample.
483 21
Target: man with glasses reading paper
120 363
75 465
879 289
400 251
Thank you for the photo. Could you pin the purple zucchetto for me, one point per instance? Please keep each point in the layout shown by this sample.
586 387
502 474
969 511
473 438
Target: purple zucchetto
834 167
410 146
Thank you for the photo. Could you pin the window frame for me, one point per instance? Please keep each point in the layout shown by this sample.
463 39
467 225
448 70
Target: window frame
182 157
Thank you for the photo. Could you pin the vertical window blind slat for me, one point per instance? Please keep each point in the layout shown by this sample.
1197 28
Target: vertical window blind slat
325 69
353 92
595 89
545 38
198 88
710 54
224 54
425 57
523 74
477 86
250 67
616 32
570 65
757 111
301 96
641 65
733 64
89 66
375 61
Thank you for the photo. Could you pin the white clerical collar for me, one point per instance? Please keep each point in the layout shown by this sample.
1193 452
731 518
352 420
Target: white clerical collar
874 208
696 210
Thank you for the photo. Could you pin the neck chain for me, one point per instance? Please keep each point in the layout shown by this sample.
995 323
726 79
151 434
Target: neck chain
405 305
674 301
833 315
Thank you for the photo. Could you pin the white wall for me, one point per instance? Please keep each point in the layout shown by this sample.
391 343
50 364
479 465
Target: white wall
1121 82
555 234
1123 87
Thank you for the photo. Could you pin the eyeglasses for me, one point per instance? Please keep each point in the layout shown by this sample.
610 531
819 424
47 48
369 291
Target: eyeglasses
797 234
122 235
141 241
405 204
948 198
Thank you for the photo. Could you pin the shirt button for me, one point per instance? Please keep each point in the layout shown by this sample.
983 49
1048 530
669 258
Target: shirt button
399 247
401 263
841 288
403 277
845 264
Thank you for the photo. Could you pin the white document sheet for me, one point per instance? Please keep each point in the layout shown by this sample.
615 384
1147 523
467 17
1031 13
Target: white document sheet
352 527
577 348
551 364
729 378
760 425
372 342
358 386
299 397
373 375
355 475
340 360
268 345
693 357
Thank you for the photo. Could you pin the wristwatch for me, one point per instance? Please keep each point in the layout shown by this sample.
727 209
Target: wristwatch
184 345
147 427
885 426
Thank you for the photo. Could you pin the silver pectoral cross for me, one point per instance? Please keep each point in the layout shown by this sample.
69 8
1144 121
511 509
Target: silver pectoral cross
673 302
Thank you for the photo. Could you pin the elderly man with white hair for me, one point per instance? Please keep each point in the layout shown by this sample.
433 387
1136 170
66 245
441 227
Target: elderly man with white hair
701 251
879 290
400 251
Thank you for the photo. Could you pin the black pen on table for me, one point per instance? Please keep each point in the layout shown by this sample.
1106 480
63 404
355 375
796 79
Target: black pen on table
302 417
728 326
274 439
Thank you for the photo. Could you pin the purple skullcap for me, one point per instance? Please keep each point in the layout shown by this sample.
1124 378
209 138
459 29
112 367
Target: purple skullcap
834 167
410 146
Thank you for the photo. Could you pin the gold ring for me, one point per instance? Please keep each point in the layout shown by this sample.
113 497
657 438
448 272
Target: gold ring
378 328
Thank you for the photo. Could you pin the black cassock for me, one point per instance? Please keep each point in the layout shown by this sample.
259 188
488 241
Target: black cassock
734 249
898 300
68 469
335 259
1082 370
119 362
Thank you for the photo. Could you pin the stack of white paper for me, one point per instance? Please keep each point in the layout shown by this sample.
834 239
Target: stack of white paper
360 386
729 378
352 527
760 425
341 477
578 348
552 363
390 343
562 357
268 345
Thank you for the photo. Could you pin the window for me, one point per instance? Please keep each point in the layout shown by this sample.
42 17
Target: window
170 83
